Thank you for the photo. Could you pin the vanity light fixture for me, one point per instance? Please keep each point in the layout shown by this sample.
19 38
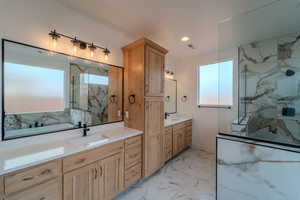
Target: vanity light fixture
106 53
78 44
92 49
54 36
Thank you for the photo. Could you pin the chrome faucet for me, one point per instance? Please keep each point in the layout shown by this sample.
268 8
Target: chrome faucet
85 130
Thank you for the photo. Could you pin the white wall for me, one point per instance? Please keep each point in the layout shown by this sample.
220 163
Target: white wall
207 122
30 22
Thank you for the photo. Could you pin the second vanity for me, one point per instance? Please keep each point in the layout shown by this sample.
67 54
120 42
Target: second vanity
73 167
177 135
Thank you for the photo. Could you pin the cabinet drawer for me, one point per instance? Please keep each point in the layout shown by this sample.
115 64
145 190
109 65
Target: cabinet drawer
82 159
29 177
168 130
46 191
133 174
133 156
133 141
189 123
179 126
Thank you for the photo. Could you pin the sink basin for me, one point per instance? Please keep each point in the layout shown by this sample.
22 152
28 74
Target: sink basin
90 140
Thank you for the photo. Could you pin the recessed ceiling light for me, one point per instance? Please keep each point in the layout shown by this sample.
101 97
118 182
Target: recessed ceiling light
185 39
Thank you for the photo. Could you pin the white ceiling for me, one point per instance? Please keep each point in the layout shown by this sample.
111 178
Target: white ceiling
166 21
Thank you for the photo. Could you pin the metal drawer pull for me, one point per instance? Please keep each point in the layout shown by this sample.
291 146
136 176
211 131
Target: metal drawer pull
80 161
47 171
96 173
134 155
101 171
42 198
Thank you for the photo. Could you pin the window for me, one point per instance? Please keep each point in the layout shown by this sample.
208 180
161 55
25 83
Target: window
31 89
95 79
215 84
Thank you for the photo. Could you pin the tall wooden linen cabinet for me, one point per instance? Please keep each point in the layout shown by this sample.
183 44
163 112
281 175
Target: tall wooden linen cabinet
144 63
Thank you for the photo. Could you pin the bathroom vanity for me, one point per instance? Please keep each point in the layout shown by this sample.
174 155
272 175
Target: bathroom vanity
177 136
98 166
81 160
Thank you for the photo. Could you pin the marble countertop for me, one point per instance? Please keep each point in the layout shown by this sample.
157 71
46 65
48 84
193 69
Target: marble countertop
26 152
177 119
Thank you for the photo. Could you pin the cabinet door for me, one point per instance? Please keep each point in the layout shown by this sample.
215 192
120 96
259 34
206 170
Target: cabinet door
154 119
188 136
154 154
154 76
168 143
178 140
111 176
82 184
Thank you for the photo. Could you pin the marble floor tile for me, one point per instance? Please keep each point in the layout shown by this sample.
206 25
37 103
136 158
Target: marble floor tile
189 176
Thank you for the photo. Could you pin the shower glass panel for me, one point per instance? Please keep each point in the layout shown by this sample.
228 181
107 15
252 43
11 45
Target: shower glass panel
267 71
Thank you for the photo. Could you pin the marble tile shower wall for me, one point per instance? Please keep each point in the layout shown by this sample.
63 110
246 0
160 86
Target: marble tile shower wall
270 84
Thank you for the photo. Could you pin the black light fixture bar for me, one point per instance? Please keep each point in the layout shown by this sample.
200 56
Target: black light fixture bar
82 44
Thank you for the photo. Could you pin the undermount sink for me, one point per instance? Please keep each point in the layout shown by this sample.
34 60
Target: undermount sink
90 140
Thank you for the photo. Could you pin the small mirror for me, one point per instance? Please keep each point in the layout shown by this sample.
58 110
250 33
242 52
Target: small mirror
48 92
170 96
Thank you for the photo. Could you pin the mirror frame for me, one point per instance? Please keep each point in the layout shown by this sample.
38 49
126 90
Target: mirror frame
175 98
3 40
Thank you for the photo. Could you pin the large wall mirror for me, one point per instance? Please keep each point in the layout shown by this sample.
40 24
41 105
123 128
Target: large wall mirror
170 96
47 92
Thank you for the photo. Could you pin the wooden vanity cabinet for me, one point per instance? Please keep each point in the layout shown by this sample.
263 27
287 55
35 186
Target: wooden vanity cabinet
111 176
35 183
168 143
143 98
133 160
178 138
1 188
82 183
155 72
100 180
188 136
154 127
50 190
182 136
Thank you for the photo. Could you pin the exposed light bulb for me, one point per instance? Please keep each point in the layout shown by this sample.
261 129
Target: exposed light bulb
74 49
54 43
105 57
92 53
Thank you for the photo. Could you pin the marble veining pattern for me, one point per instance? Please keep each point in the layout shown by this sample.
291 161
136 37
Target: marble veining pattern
189 176
270 70
254 172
